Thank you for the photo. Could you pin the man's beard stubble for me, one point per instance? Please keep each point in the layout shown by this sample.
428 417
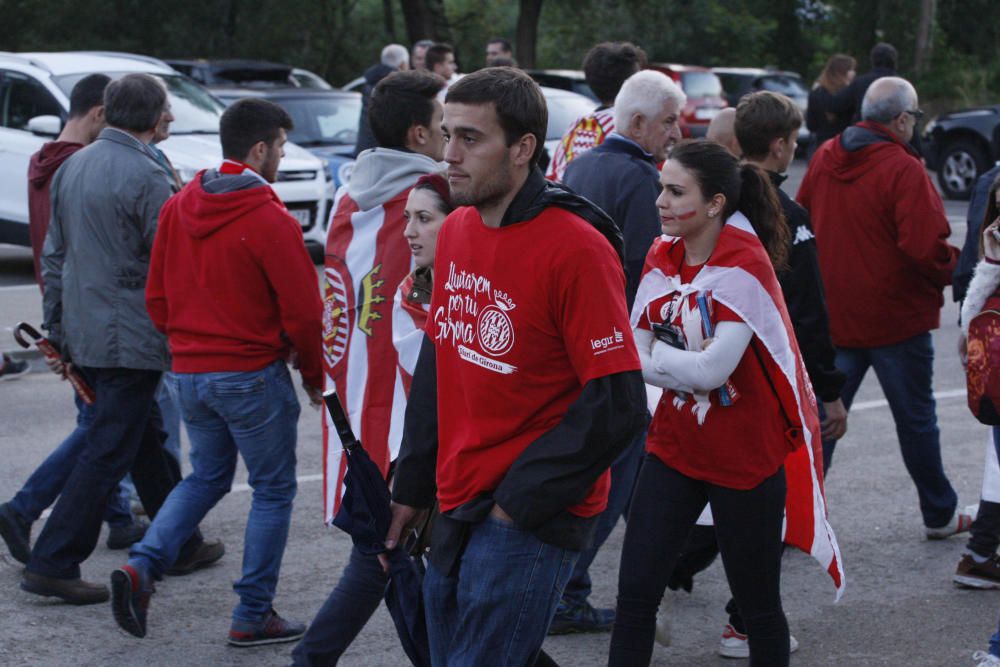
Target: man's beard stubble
488 192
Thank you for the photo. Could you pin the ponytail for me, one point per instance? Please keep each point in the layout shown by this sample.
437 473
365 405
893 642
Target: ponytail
746 187
760 204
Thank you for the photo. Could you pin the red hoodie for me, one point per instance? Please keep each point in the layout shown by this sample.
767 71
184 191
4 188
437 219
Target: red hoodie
230 282
881 236
41 169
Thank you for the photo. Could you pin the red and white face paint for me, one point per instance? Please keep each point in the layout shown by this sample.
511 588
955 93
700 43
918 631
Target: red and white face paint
682 207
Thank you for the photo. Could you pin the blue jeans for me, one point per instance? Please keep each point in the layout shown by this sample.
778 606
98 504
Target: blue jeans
345 612
905 373
498 609
45 484
254 414
624 472
125 434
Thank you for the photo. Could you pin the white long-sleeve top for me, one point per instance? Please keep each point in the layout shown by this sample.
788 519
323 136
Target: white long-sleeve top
693 370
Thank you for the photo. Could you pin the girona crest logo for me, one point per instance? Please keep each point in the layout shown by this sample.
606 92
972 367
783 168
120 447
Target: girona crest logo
496 331
336 326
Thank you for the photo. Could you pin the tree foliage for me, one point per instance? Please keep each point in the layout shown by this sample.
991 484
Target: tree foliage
340 38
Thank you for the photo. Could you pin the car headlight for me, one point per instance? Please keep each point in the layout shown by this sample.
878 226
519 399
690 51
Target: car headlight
929 127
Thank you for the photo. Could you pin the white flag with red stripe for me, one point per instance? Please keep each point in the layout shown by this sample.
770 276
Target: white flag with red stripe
367 258
739 276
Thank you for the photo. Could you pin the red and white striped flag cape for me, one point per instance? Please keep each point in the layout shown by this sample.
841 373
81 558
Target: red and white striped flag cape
367 258
585 133
740 276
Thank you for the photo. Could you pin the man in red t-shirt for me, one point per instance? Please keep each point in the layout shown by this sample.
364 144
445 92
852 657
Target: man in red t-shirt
527 386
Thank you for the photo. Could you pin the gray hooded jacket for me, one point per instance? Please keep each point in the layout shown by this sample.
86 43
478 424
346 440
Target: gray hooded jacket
106 200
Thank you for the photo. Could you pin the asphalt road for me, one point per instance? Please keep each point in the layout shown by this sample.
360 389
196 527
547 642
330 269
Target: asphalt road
899 607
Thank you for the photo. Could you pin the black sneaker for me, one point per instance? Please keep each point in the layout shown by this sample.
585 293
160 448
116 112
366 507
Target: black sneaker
971 574
124 536
572 618
16 532
13 369
272 630
130 593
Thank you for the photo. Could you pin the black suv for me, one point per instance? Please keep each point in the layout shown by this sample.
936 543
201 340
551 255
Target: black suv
960 146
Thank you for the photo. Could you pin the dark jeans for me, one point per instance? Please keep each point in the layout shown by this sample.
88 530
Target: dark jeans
748 523
905 373
624 471
346 611
124 435
45 484
498 608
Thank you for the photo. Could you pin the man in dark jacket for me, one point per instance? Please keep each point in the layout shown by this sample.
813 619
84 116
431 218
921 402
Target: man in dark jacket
530 350
85 122
622 178
106 200
881 233
394 58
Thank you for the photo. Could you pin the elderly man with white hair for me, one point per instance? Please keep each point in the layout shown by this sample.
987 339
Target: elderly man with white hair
622 177
394 58
882 240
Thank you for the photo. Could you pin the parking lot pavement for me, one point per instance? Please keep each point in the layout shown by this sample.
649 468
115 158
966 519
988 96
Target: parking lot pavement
899 607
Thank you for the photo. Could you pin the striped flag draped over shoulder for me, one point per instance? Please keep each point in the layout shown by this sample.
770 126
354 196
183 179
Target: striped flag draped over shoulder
367 258
739 276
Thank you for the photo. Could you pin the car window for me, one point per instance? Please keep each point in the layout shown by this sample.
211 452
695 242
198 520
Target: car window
22 98
701 84
786 85
323 120
564 109
195 110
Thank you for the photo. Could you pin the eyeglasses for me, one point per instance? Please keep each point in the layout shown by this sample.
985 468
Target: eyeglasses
916 113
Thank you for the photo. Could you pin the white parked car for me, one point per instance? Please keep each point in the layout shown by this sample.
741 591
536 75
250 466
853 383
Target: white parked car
34 102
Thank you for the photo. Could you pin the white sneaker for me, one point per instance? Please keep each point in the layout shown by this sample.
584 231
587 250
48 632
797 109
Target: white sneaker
985 659
961 521
734 644
664 623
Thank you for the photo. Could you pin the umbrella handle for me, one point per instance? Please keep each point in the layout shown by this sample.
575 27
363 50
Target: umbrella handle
340 421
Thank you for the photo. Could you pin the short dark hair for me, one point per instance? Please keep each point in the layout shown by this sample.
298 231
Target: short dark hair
761 118
87 94
502 42
135 102
503 61
884 54
519 103
608 64
435 54
400 101
247 121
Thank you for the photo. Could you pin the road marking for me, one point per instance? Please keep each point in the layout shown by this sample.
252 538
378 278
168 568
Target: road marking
237 488
857 407
881 403
5 288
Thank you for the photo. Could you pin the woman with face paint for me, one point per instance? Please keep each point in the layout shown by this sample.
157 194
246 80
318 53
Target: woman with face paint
713 331
428 205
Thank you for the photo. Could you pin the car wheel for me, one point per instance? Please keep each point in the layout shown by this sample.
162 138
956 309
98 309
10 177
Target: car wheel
962 161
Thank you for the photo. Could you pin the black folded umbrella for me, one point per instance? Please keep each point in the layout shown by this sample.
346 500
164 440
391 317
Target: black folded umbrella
365 515
364 512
